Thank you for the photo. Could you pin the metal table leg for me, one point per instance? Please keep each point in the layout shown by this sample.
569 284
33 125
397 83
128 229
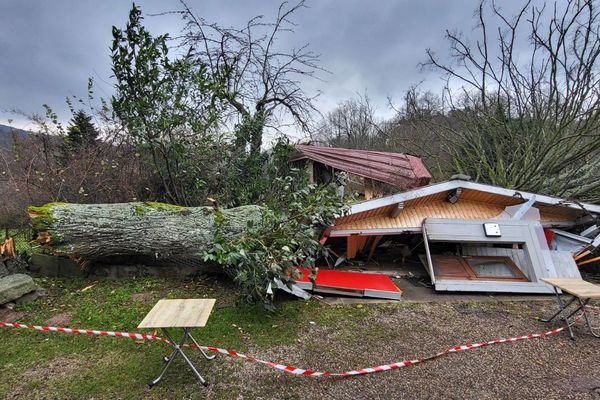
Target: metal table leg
178 350
562 310
168 360
559 311
587 320
200 348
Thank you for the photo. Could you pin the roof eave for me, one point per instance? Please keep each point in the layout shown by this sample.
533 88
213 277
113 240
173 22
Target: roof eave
454 184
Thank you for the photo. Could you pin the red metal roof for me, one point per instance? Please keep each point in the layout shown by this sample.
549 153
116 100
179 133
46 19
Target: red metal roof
353 283
402 170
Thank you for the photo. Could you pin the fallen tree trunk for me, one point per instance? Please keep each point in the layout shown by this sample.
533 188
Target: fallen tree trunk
88 232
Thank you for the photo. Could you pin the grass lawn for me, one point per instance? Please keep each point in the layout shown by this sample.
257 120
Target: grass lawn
307 334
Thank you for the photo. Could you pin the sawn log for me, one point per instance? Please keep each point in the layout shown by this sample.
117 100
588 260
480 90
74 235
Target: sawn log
88 232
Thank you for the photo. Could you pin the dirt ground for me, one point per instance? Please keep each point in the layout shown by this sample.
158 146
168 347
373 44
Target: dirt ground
553 367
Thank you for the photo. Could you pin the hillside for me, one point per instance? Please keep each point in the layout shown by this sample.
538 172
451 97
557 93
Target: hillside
7 134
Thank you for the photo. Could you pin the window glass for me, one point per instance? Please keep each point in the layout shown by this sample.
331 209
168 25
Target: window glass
491 268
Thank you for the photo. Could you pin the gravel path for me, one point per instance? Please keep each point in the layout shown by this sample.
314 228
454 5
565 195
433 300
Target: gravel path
552 367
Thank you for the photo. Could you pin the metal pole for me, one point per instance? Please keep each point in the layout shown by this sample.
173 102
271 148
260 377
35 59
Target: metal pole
186 334
178 350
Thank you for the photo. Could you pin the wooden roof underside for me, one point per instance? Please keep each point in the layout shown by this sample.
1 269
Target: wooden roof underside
472 204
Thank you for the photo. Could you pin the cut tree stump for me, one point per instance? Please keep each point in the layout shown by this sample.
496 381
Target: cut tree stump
88 232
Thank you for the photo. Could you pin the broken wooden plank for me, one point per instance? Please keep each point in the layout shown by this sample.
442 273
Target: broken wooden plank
8 248
374 244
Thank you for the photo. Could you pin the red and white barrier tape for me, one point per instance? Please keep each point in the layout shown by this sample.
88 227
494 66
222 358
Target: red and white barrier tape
385 367
76 331
287 368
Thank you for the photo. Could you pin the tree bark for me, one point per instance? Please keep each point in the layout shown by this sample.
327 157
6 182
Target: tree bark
88 232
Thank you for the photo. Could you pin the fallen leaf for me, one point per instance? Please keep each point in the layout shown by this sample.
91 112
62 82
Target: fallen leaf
88 287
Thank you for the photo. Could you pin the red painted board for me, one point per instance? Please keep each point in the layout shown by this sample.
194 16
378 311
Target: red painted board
368 284
549 236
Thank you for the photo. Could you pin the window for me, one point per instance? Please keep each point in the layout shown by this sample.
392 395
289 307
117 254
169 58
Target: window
493 267
476 268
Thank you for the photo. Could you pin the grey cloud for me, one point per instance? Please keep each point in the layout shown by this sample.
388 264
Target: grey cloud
49 49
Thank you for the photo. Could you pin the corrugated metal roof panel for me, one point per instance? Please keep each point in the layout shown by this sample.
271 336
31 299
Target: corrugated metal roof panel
398 169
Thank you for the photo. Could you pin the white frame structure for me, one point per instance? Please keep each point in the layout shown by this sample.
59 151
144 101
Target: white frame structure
530 234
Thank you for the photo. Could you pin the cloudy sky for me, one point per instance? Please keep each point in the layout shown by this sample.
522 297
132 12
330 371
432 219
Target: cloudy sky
48 49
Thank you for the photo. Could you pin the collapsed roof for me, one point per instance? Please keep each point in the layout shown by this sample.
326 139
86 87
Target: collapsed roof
402 170
457 199
500 235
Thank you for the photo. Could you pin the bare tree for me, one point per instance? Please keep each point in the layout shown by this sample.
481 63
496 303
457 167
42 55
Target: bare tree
527 123
262 80
351 124
414 130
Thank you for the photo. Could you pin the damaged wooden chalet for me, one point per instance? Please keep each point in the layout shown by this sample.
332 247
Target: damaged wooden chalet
474 237
371 173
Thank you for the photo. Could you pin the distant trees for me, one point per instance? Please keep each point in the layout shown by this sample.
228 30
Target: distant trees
527 121
352 124
81 131
46 166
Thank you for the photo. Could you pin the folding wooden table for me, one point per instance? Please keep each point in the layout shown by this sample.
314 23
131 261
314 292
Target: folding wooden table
580 291
185 314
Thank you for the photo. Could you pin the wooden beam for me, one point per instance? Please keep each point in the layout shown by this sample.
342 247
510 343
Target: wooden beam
351 246
397 210
428 254
591 260
361 242
374 244
581 255
523 208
